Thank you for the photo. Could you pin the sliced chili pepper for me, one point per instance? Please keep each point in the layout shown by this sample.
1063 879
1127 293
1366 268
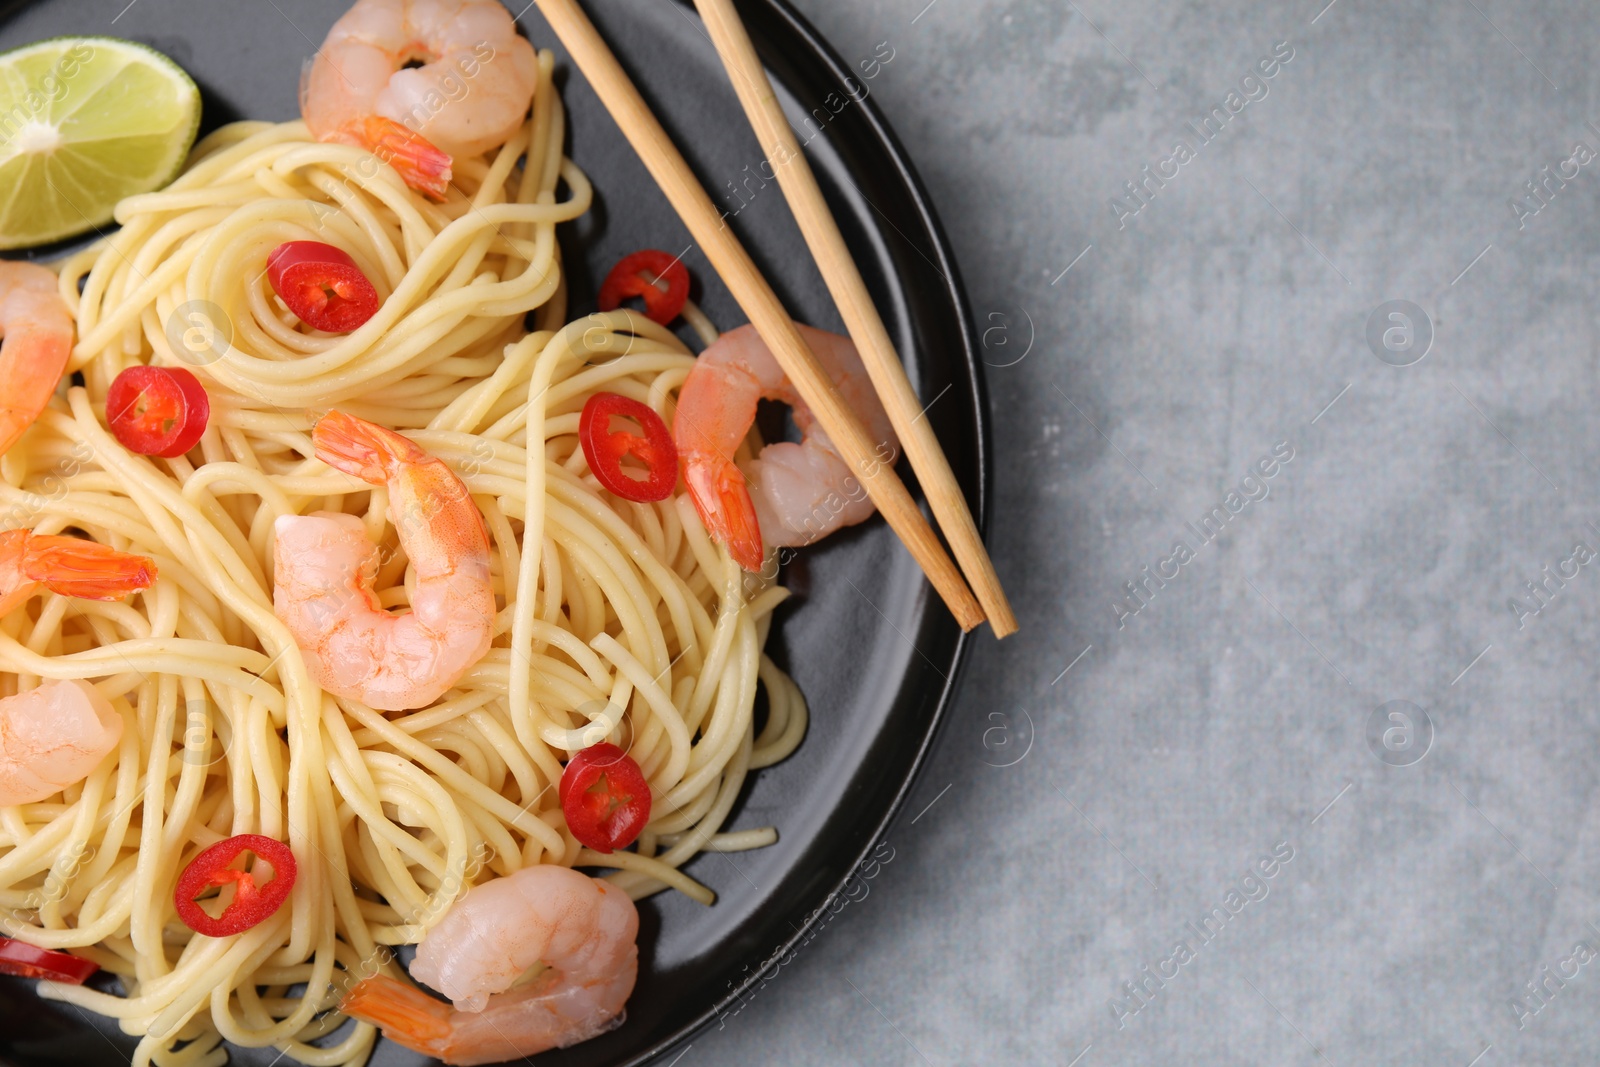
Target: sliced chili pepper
23 960
604 797
322 285
251 903
626 280
157 411
605 448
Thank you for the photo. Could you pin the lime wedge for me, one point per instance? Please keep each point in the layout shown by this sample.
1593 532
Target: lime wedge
84 122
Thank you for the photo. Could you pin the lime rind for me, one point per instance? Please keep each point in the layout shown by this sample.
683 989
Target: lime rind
85 122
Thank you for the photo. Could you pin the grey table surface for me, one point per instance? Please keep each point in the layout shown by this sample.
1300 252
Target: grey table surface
1343 674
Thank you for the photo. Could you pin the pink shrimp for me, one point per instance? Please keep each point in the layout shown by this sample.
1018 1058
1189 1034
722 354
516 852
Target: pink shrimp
792 494
472 89
582 929
325 566
57 734
37 327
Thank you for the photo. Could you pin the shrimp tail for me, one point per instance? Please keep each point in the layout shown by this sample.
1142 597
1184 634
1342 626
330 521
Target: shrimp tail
722 498
362 449
74 567
424 167
404 1013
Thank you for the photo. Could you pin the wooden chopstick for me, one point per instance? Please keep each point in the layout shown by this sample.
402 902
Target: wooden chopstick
855 304
729 258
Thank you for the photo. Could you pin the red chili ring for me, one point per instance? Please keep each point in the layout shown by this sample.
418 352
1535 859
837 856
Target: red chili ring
251 904
625 280
605 448
604 797
322 285
22 960
157 411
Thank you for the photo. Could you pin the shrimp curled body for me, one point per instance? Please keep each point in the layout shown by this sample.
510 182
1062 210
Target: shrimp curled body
793 493
325 567
582 929
472 89
52 737
57 734
37 328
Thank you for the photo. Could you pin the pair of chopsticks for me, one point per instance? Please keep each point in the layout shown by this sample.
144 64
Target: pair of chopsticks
729 258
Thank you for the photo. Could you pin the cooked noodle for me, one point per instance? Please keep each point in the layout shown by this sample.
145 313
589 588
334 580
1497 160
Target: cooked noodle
617 620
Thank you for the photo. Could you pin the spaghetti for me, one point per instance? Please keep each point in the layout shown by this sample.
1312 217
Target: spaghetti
615 621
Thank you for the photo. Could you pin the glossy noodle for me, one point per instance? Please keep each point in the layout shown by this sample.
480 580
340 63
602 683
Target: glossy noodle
614 621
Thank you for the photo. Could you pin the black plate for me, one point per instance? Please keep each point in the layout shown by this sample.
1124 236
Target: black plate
870 645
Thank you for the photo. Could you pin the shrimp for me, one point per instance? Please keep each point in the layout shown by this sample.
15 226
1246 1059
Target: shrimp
792 494
52 737
473 88
582 929
57 734
324 567
37 327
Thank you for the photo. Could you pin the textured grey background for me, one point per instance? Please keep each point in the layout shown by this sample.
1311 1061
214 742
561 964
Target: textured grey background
1231 713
